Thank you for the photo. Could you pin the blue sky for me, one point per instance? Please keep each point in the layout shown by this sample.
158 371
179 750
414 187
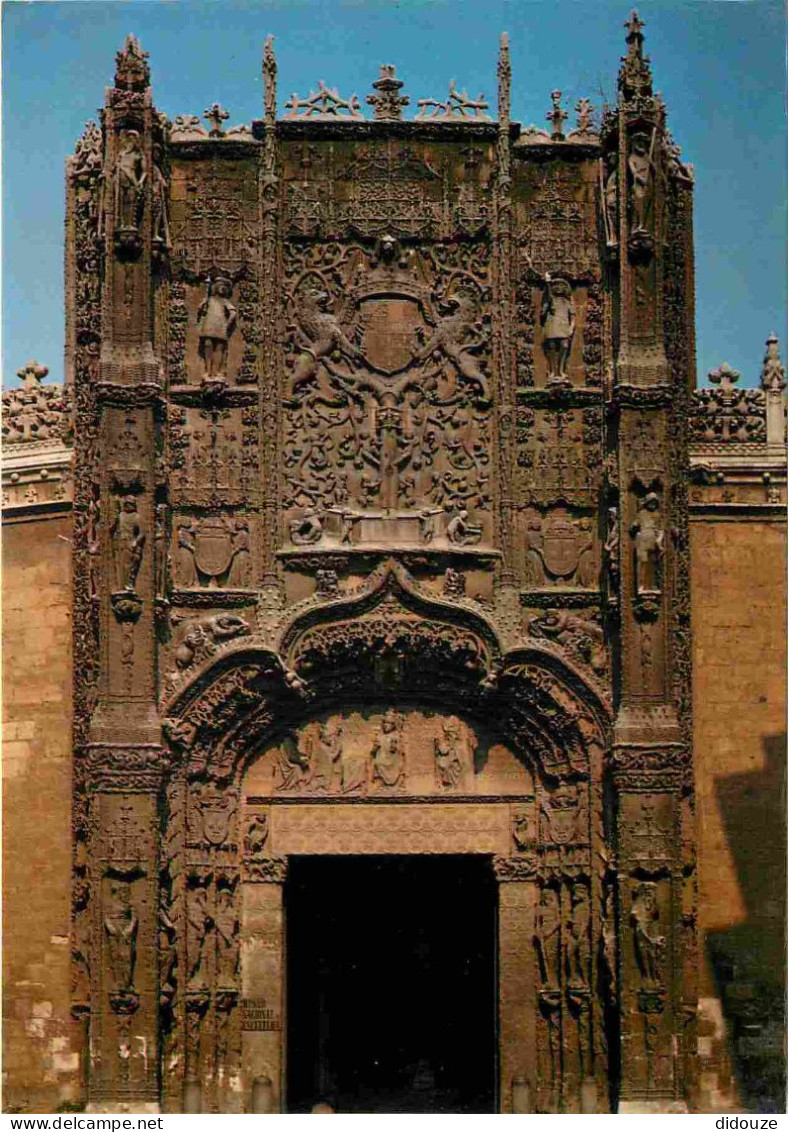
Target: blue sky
718 63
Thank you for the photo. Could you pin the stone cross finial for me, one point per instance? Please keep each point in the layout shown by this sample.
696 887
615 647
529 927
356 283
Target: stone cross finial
387 102
773 372
724 376
32 374
215 115
634 26
557 116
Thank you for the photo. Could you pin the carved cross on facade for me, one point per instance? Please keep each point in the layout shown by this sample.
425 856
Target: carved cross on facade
387 102
726 378
556 116
215 115
32 374
634 26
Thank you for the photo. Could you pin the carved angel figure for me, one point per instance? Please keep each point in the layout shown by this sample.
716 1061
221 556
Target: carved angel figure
120 926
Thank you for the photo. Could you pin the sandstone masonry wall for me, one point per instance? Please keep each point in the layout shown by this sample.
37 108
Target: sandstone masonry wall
738 588
41 1056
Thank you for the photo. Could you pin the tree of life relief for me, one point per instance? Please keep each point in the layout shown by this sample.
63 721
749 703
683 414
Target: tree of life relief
388 399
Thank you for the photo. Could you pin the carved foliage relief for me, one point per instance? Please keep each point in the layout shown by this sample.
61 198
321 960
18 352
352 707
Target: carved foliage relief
388 398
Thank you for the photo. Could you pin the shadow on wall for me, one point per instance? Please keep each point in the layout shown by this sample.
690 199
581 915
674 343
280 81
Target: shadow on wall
748 960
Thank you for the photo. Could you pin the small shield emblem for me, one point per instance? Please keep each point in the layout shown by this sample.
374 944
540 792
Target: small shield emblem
213 547
560 549
389 332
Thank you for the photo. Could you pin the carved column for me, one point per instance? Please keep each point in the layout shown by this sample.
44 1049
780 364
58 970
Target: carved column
503 356
517 899
124 755
263 978
652 733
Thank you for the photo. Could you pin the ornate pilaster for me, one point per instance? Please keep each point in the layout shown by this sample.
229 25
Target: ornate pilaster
122 761
122 876
272 289
263 944
650 244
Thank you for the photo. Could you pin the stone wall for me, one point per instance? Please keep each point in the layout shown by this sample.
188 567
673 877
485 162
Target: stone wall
41 1054
739 696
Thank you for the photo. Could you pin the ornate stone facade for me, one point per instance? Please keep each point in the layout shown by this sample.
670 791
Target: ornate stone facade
381 531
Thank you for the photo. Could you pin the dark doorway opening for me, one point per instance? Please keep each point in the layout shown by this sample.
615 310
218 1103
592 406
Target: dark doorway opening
392 984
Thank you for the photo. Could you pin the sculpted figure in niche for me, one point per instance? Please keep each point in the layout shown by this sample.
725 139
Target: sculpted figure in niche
462 532
453 755
649 945
198 925
161 227
129 181
216 318
120 926
241 561
612 549
293 767
610 198
641 182
558 324
649 539
185 565
128 543
388 756
548 936
578 946
326 753
226 934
